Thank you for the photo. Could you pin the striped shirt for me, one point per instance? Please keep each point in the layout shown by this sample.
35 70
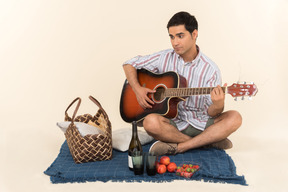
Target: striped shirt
201 72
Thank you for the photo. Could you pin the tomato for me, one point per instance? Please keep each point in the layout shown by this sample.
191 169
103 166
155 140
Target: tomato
161 169
172 167
165 160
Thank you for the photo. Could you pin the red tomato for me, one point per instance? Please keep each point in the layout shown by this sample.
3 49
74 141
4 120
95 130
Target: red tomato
165 160
161 169
172 167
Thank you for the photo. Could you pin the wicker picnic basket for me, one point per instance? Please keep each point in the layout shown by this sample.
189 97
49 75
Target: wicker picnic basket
97 147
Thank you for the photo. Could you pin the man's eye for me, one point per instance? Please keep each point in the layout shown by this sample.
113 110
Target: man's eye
181 36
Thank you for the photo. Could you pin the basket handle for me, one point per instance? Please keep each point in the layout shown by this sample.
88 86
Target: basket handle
99 105
76 109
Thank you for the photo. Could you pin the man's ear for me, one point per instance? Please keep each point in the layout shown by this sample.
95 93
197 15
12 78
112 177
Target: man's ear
195 34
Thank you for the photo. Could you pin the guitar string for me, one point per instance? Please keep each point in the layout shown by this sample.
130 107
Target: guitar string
170 92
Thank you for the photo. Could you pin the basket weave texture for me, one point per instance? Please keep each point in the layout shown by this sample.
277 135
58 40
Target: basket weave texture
89 148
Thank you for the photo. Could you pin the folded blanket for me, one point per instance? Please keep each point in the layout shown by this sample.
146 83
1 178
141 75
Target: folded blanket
215 166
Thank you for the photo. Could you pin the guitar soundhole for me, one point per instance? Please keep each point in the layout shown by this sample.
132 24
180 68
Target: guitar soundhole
158 96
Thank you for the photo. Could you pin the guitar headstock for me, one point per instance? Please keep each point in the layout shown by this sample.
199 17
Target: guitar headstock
242 90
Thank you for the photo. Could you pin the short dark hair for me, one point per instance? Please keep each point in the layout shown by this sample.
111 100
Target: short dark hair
183 18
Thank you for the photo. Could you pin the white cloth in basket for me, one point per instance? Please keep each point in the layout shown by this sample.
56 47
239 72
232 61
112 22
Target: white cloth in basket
83 128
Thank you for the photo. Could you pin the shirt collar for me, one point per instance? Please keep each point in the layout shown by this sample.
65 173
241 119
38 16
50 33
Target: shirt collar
196 58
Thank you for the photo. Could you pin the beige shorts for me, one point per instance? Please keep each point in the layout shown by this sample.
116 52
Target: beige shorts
192 131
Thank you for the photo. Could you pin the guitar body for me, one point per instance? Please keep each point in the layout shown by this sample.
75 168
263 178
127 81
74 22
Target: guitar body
170 88
130 109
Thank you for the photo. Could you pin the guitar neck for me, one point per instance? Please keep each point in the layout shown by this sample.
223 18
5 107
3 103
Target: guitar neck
182 92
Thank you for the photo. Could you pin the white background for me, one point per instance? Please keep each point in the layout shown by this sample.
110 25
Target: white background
54 51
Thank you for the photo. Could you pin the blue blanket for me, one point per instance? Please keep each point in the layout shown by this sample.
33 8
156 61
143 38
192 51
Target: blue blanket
215 166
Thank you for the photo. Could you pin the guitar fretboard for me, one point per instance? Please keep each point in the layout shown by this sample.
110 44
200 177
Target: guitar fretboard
178 92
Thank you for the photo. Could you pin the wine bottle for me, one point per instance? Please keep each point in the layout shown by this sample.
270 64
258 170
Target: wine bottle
134 145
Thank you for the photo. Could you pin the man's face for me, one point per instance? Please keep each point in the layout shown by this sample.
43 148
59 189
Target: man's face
182 40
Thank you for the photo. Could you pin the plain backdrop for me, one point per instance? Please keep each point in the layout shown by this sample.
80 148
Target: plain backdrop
56 50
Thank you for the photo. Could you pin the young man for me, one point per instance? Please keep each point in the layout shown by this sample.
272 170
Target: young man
200 120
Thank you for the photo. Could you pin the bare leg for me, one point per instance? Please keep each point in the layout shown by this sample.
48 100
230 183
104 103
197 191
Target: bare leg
160 128
224 125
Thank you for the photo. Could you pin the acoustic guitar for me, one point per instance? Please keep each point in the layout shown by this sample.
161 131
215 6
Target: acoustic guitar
171 88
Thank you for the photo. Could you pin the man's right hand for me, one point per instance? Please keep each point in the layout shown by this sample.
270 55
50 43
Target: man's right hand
140 92
142 97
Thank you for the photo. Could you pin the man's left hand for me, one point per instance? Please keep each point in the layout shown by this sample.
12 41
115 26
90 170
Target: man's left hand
218 97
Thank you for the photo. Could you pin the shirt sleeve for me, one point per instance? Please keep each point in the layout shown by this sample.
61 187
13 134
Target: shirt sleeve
150 62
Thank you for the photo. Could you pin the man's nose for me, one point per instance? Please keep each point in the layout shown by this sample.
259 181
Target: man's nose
175 42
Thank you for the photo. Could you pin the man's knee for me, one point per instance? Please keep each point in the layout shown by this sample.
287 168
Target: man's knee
151 123
234 119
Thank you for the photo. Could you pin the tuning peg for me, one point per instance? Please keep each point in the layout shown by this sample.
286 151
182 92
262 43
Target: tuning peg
244 82
235 99
243 98
250 98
